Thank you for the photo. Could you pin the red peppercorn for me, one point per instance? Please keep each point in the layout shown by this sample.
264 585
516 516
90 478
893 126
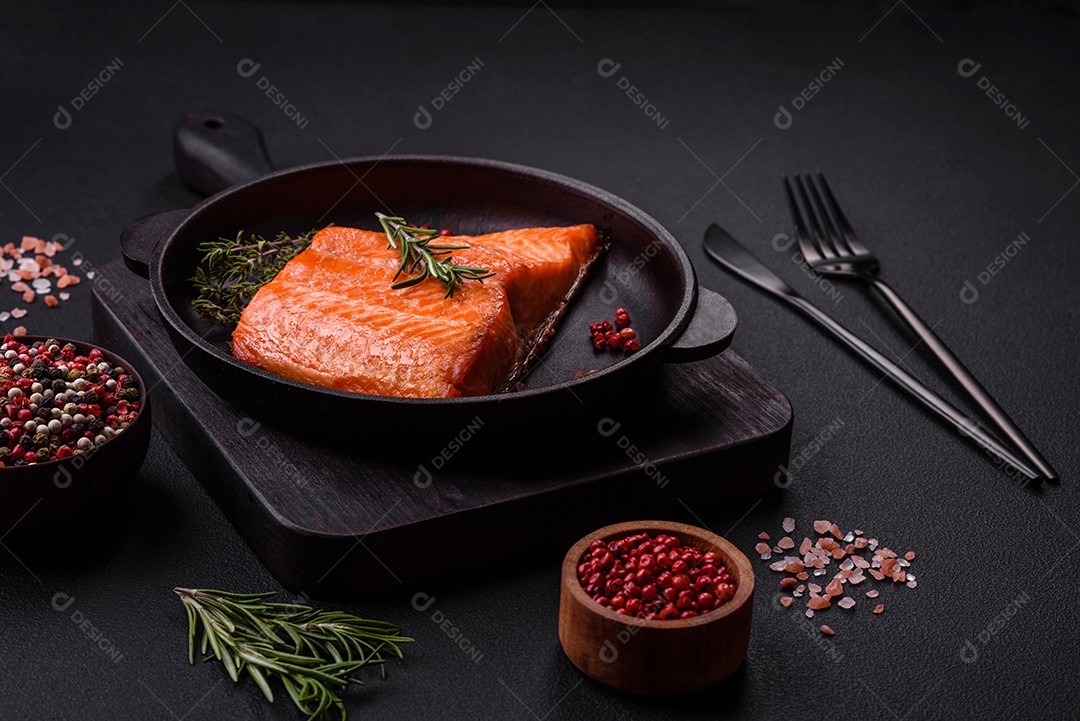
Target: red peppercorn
619 575
598 341
606 326
613 339
445 232
631 346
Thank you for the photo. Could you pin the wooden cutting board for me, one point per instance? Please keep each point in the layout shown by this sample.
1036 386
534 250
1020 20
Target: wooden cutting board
338 520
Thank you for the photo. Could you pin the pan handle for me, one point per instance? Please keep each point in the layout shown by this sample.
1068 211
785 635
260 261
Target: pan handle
214 151
711 327
139 241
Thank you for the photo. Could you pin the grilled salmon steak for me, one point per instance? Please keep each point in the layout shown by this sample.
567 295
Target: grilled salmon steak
330 317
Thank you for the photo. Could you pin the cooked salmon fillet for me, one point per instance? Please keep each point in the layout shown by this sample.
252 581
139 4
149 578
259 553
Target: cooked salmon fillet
330 317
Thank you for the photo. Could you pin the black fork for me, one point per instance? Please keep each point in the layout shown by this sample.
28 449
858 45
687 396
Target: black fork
830 247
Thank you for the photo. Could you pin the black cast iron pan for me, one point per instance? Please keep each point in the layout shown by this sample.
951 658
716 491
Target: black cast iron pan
644 270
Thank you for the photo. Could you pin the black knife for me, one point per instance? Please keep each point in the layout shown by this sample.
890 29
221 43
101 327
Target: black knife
729 253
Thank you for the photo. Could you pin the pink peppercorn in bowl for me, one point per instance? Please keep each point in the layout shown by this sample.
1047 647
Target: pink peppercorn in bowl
659 655
82 449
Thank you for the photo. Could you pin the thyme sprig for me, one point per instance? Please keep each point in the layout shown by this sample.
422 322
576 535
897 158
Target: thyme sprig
233 270
422 258
313 653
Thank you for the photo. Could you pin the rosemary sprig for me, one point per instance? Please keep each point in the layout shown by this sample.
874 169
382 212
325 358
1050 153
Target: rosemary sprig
314 654
233 270
420 256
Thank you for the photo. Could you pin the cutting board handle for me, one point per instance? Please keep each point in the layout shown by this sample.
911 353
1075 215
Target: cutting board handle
710 330
214 151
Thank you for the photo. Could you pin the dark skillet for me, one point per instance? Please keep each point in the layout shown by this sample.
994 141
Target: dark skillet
644 270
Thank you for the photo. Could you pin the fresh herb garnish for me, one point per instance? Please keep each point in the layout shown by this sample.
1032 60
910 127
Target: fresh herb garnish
233 270
313 653
419 256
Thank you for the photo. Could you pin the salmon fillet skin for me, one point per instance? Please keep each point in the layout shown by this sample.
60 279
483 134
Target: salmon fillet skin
330 317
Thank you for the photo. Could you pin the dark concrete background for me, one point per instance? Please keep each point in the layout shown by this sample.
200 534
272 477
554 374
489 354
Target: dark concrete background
935 177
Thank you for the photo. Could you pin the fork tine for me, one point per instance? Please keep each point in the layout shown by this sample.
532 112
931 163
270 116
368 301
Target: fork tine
819 235
834 234
841 219
806 242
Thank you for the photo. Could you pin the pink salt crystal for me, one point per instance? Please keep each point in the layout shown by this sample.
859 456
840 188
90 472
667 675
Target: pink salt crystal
786 543
804 547
846 602
818 602
827 631
821 526
835 588
794 565
835 530
777 550
858 532
763 536
879 608
877 574
762 548
789 525
778 565
809 613
814 588
785 601
860 543
872 593
18 312
65 295
911 584
910 555
800 589
802 575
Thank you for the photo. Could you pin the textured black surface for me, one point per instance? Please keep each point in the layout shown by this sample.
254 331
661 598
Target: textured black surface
936 178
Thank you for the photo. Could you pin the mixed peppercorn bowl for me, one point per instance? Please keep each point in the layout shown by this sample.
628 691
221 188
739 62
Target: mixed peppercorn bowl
74 428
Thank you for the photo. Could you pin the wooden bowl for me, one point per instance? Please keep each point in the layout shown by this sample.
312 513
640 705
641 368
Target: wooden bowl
53 496
653 656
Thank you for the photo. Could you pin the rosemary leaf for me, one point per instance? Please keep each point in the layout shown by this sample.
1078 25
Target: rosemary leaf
420 257
314 654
